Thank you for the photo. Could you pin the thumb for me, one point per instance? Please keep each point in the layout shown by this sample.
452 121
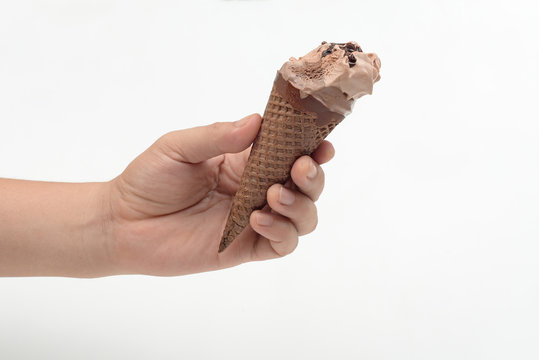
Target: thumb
201 143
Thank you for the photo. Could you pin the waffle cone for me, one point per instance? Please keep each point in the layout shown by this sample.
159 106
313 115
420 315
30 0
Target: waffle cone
287 132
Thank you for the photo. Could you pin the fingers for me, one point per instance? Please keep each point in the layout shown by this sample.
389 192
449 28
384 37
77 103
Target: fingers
281 234
294 214
293 211
323 153
204 142
295 206
309 176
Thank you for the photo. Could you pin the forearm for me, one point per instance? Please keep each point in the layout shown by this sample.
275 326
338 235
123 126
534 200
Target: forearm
54 229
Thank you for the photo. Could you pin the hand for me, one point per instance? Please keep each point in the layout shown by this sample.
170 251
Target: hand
169 207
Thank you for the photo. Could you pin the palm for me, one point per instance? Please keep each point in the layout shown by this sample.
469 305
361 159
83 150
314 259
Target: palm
173 213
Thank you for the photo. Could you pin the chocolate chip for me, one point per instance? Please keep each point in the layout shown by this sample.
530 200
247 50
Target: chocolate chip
329 50
324 42
351 60
359 49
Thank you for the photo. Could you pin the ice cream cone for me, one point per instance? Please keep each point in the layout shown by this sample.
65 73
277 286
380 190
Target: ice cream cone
310 96
287 132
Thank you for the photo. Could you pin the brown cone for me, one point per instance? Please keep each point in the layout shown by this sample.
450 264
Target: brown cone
286 134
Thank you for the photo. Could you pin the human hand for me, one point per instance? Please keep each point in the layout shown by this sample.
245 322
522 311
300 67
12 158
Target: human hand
169 207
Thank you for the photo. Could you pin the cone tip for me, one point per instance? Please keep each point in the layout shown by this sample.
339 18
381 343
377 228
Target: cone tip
222 246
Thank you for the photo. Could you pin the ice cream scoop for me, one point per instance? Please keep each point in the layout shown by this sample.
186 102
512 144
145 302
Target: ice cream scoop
335 74
310 96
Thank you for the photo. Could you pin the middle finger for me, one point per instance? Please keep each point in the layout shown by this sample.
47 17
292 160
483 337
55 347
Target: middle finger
308 177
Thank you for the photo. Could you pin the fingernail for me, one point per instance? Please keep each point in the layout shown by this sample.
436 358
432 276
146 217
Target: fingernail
264 219
312 171
286 197
243 121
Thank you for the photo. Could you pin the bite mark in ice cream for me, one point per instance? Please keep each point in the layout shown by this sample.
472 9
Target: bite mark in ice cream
336 74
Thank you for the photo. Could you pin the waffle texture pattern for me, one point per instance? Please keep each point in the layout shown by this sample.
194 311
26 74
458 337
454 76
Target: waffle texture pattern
286 134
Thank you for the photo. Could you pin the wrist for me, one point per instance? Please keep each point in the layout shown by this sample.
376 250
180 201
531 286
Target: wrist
98 230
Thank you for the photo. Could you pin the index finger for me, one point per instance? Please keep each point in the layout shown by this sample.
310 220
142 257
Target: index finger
308 176
324 152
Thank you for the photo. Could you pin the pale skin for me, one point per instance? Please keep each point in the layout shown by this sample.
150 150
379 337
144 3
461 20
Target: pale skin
164 215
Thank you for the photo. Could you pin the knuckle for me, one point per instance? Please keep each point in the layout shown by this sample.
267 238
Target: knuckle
321 174
314 223
320 187
166 139
215 135
168 145
288 247
310 224
214 128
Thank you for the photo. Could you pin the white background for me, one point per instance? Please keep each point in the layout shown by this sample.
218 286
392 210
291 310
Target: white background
428 242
